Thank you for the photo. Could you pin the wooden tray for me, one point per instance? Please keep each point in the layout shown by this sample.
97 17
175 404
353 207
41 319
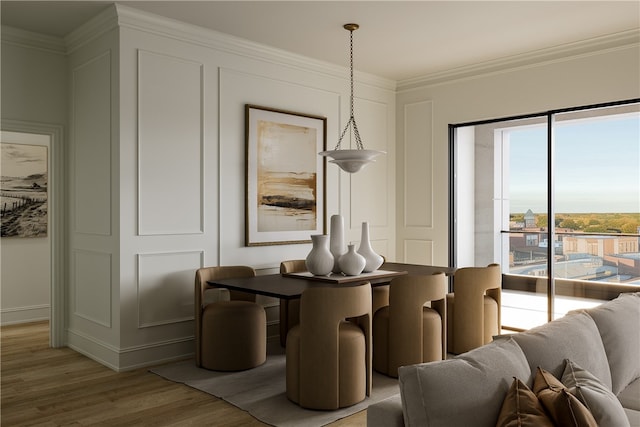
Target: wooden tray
340 278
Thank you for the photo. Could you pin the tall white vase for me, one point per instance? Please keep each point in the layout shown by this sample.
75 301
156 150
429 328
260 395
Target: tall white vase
319 262
373 260
336 241
351 262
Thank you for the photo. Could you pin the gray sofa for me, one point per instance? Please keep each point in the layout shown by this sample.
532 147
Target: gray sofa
469 389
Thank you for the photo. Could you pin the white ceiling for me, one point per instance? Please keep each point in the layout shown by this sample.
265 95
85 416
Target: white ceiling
397 39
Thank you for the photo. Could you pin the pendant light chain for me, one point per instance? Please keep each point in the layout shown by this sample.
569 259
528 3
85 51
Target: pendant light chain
352 120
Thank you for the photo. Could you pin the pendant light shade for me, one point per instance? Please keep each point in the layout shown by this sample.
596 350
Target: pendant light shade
351 160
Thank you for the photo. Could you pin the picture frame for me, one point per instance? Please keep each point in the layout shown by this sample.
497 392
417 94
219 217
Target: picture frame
24 189
285 183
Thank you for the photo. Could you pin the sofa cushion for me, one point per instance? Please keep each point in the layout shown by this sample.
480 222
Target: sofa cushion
565 409
618 321
574 336
463 391
521 408
633 416
630 396
603 404
386 413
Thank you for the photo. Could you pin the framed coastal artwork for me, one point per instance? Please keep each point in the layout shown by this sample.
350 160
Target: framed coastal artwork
285 176
23 190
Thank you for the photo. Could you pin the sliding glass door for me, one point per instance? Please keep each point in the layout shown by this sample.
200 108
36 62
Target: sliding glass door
553 195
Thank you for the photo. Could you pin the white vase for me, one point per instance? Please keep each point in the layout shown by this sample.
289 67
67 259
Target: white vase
319 262
352 263
336 241
373 260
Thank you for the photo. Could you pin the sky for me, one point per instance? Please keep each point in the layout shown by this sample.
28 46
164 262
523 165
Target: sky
21 160
23 154
597 164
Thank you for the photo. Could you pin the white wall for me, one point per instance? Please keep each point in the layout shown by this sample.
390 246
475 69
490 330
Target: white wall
587 78
154 103
33 98
126 259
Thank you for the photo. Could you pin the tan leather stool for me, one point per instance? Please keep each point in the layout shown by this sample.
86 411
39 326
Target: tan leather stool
406 332
230 335
473 310
234 336
329 358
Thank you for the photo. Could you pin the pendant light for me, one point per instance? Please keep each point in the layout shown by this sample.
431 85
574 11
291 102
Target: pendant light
351 160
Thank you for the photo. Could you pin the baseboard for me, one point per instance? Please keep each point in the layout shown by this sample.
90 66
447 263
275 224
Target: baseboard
127 359
15 315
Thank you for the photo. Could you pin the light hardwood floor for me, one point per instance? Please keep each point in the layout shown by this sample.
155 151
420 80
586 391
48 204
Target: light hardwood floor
42 386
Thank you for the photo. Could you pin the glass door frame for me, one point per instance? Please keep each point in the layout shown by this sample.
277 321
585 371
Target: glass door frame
550 115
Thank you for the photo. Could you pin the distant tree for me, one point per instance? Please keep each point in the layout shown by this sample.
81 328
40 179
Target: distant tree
542 220
569 223
517 217
595 229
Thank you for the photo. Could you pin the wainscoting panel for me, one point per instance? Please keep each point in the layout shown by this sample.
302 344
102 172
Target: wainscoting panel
166 286
92 271
170 139
418 252
91 134
367 204
418 167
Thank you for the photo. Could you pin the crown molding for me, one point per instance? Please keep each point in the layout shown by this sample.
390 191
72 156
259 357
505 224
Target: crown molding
100 24
561 53
118 15
23 38
143 21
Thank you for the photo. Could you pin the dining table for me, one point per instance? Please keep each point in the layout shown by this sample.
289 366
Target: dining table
291 285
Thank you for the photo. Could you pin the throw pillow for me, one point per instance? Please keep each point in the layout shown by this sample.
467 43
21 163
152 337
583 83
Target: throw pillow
564 408
603 404
618 322
521 408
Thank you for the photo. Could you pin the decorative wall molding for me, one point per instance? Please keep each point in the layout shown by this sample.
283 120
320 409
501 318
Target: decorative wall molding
134 19
418 165
26 314
91 132
163 298
132 357
92 29
561 53
421 251
127 17
31 40
57 208
92 278
164 117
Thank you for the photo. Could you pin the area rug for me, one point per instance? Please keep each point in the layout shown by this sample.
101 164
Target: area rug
261 391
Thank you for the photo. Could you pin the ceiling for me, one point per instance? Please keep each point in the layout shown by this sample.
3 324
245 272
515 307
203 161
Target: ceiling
397 40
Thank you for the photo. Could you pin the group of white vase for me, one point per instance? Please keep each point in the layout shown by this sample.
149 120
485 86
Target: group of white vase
329 253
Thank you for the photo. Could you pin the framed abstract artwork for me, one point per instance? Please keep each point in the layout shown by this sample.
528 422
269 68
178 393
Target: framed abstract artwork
285 176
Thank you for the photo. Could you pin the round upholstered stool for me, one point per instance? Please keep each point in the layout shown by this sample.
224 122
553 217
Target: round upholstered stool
431 339
352 376
379 298
490 320
234 336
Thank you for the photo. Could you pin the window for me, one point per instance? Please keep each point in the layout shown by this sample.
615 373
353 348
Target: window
553 195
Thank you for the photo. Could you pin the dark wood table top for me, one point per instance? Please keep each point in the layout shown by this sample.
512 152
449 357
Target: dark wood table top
287 287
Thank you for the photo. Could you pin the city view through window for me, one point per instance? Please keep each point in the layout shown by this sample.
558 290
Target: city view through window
510 194
597 200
